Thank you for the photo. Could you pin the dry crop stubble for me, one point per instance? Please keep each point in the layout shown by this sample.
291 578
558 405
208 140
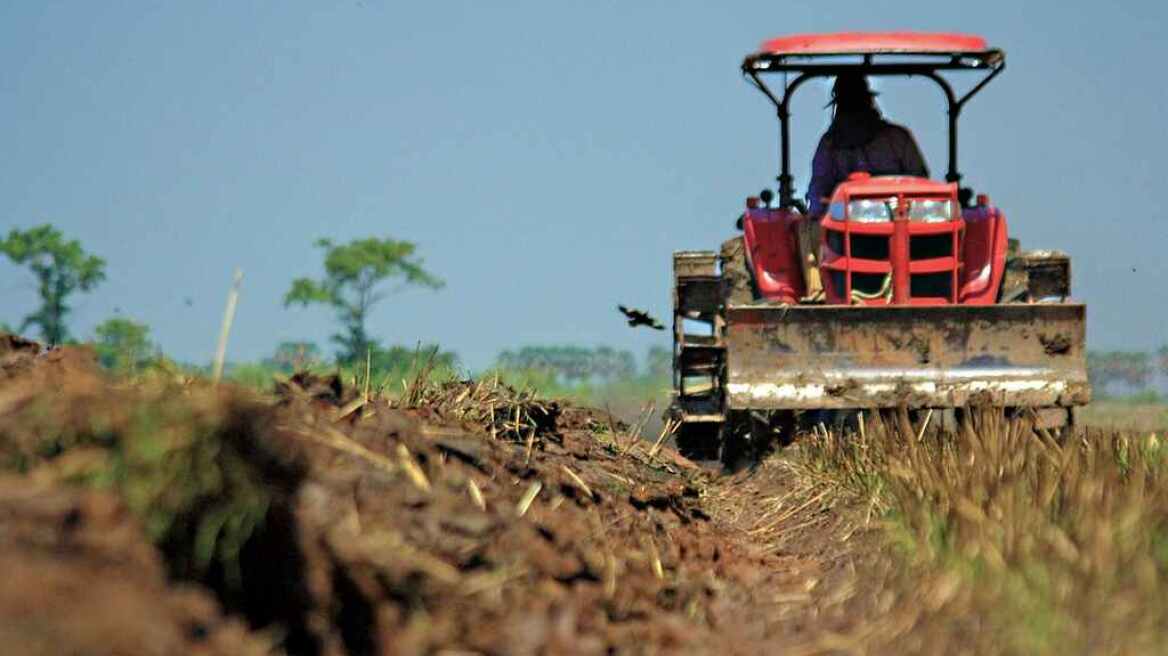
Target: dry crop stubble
469 515
1000 538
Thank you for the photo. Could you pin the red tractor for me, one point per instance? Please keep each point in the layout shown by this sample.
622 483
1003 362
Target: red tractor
904 292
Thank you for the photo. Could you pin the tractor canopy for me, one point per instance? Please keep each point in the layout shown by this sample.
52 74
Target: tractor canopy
923 54
872 45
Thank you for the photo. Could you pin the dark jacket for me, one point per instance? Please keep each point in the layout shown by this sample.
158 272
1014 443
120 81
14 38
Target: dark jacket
861 142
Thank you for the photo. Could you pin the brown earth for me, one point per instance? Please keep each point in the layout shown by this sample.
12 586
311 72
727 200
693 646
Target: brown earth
462 518
80 578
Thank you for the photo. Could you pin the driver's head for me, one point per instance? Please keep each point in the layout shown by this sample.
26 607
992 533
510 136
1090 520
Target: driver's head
851 93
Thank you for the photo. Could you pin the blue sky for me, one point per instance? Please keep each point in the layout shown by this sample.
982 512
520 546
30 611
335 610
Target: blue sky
546 157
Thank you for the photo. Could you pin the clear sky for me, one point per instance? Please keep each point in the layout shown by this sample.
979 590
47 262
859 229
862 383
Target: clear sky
546 156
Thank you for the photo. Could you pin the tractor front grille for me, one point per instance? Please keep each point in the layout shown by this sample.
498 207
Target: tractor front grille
859 262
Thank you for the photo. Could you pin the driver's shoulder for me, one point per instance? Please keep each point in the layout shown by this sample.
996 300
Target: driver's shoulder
896 129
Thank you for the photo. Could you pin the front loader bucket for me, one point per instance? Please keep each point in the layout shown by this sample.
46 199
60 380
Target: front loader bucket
812 357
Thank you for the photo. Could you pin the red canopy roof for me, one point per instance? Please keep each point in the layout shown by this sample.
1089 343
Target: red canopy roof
861 43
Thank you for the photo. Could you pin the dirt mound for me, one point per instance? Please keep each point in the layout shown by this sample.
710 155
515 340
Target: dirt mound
497 531
464 516
30 366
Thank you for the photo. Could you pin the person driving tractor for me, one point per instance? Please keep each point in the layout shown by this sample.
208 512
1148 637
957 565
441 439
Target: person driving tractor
859 139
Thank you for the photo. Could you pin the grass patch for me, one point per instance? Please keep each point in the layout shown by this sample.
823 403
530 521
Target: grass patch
1039 545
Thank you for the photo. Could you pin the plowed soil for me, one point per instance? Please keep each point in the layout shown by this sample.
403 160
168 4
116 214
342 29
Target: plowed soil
463 518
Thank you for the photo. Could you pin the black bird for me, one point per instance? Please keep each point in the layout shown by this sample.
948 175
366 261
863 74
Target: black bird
640 318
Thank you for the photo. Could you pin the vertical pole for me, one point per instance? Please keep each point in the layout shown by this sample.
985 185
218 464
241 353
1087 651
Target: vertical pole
786 189
225 329
954 111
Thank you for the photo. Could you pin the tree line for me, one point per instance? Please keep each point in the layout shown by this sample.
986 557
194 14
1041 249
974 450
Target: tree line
571 365
357 276
1132 369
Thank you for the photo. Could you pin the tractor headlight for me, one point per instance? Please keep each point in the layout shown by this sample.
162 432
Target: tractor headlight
877 210
931 211
871 210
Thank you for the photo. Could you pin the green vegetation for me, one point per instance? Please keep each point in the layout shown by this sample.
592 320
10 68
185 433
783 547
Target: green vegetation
389 369
570 365
579 372
353 274
123 345
61 269
295 356
599 377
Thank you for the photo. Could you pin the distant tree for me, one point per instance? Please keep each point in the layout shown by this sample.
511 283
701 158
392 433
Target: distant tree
353 274
625 365
520 360
571 364
1162 360
1135 368
123 344
659 362
1100 369
401 358
1127 367
294 356
61 268
532 358
609 364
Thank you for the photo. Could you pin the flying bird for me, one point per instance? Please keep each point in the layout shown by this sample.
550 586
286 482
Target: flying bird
640 318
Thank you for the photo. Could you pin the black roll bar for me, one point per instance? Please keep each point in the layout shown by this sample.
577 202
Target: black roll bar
755 65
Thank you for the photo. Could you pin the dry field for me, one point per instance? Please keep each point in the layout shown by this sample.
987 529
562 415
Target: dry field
161 515
1126 415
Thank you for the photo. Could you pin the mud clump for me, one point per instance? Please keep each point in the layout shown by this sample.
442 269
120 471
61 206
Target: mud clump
13 346
36 366
325 389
